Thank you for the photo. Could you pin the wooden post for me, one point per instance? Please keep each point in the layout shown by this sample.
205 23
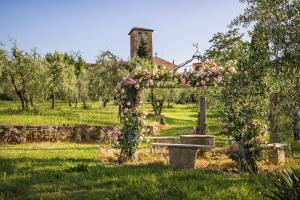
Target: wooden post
202 116
274 122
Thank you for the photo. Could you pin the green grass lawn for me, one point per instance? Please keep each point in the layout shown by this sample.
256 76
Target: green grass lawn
73 171
180 119
10 114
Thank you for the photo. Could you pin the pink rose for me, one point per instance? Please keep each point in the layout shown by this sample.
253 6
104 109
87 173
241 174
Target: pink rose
150 82
225 130
135 109
253 125
219 78
183 81
141 102
264 132
125 110
128 103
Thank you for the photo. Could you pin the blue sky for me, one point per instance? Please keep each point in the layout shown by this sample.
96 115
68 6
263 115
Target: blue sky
90 26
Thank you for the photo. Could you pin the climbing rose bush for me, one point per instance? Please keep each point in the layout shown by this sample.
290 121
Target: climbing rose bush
247 148
209 74
129 96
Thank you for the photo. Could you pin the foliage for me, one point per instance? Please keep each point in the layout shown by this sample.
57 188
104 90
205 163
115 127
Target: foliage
130 91
208 75
284 186
276 27
62 79
104 77
267 63
82 78
226 46
129 94
143 51
23 72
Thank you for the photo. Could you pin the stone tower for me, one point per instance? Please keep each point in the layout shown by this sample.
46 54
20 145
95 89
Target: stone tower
136 34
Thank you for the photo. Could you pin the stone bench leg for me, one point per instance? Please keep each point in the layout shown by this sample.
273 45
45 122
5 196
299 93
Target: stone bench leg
277 156
182 158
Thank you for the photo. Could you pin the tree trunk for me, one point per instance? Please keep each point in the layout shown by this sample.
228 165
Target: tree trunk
152 98
104 103
76 101
22 100
31 101
70 103
84 104
53 101
274 118
120 109
160 106
19 93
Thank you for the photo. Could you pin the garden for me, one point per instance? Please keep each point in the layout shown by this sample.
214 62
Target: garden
227 129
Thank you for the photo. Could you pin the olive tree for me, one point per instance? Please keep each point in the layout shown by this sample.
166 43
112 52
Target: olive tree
62 79
104 76
82 81
24 72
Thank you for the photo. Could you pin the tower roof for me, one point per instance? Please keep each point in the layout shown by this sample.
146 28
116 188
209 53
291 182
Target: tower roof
139 29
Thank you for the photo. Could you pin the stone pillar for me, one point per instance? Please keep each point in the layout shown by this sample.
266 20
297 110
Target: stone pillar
274 119
202 116
276 153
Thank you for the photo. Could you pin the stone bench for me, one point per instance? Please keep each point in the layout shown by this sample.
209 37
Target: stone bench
276 153
163 139
198 139
183 156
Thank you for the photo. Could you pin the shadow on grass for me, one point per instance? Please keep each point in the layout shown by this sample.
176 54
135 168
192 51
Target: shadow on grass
149 181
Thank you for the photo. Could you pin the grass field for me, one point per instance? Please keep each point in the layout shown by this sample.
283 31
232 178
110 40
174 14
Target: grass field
180 119
74 171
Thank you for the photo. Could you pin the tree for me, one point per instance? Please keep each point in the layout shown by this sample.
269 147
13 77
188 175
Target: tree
104 77
23 72
82 81
227 46
276 27
3 59
62 79
142 51
266 64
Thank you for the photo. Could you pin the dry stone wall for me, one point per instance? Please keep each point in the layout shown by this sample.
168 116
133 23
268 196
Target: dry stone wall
76 133
72 133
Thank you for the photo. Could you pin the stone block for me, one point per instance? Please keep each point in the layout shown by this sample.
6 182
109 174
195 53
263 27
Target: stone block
276 153
182 158
197 139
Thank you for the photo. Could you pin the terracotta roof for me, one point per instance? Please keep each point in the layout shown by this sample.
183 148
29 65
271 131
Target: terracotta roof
139 29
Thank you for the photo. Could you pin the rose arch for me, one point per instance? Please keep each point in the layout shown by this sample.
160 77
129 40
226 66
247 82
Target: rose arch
129 95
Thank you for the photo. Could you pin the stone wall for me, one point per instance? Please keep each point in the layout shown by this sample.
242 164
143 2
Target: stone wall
159 63
77 133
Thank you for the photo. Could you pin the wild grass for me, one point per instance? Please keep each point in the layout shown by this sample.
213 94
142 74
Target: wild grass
74 171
